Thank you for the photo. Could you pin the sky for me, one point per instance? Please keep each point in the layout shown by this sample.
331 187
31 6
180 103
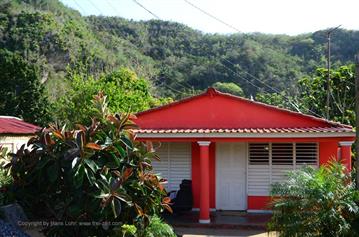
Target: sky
289 17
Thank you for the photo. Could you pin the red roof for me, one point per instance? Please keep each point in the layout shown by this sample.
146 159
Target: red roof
217 112
13 125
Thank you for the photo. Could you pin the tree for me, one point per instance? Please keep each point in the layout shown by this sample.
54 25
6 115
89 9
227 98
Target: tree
342 94
228 87
125 91
281 100
21 92
311 96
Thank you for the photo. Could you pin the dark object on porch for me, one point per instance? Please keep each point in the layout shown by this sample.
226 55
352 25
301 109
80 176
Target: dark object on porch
184 199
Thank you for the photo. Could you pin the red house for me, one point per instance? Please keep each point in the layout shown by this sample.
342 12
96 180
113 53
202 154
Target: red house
233 148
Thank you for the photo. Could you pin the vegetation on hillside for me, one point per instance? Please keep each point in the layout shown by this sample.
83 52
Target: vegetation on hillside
175 60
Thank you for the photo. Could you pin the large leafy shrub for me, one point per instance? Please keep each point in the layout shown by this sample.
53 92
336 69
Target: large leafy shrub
316 202
88 175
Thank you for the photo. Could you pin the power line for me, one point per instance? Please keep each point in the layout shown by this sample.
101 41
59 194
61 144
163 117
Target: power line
79 6
254 77
167 86
212 16
112 7
182 85
295 106
98 9
239 76
236 29
216 18
139 4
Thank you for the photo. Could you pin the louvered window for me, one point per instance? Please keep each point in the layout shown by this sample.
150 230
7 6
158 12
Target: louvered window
282 153
259 154
175 163
306 153
270 162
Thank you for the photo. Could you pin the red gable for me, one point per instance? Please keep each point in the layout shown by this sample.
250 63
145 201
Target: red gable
12 125
217 110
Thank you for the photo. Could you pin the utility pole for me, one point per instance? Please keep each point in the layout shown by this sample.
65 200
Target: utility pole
329 32
357 119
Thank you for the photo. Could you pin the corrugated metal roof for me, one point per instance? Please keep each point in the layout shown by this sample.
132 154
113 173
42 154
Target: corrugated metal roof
13 125
249 130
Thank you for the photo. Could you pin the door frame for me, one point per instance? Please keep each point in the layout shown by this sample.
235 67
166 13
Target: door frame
245 174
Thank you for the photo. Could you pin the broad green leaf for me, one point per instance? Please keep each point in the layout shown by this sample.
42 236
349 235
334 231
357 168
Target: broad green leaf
91 164
127 142
79 176
75 162
89 176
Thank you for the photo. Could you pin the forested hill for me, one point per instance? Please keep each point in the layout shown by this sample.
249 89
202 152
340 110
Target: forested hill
177 59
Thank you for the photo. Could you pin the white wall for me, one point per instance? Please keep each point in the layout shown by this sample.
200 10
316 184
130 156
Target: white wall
12 142
175 163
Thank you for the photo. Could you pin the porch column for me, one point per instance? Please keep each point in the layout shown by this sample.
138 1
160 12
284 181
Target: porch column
204 187
345 147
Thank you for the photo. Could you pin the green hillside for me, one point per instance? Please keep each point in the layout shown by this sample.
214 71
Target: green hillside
178 60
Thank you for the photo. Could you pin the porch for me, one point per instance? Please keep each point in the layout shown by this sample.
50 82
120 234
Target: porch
239 220
235 175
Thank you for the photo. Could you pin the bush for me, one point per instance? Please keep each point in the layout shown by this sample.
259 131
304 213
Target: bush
156 228
316 202
5 179
91 174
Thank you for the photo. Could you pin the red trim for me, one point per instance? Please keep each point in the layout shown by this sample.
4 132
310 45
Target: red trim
259 202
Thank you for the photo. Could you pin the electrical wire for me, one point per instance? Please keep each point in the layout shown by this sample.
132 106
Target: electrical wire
79 6
143 7
98 9
112 7
182 93
295 106
212 16
254 77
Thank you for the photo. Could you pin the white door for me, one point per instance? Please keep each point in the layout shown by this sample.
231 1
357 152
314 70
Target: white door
231 176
